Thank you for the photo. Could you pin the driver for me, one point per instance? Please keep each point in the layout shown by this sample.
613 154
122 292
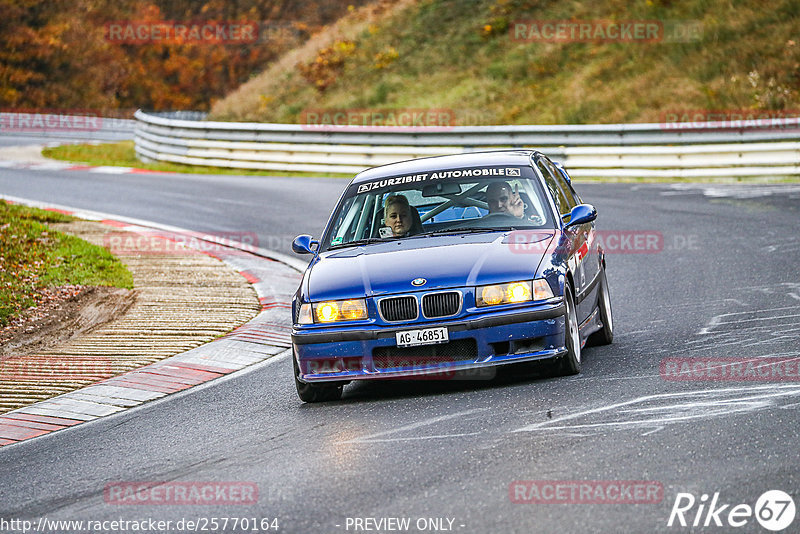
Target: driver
398 217
502 200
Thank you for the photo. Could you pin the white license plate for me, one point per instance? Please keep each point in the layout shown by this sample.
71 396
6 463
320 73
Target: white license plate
424 336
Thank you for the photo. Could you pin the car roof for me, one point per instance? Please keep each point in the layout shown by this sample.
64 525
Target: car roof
454 161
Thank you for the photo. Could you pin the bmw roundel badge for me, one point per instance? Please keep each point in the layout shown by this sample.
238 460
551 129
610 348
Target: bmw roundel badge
418 282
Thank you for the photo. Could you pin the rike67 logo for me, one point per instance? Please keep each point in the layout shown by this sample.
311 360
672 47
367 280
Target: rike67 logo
774 510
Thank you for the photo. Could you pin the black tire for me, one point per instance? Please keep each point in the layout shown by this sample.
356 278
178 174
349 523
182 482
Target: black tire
570 363
604 336
315 392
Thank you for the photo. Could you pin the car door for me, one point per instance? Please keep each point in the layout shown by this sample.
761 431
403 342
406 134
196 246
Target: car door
580 238
590 266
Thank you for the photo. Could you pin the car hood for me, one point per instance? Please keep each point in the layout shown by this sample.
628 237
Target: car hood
444 261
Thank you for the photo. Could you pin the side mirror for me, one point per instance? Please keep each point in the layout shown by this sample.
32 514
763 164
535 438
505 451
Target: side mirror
581 214
303 244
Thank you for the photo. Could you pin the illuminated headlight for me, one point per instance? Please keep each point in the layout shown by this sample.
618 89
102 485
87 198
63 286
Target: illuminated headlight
333 311
513 292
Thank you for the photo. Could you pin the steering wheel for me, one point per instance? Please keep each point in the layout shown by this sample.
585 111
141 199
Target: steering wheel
499 216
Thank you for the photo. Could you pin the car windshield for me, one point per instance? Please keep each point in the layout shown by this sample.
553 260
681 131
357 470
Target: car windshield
479 199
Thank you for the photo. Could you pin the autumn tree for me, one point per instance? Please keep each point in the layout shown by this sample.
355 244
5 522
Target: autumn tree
57 54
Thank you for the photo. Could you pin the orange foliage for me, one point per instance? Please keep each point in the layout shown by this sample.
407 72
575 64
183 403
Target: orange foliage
323 70
58 54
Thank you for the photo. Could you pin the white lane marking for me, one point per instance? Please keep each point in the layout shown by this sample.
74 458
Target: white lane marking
602 378
737 301
733 190
765 310
88 419
413 438
635 332
717 320
413 426
709 403
740 321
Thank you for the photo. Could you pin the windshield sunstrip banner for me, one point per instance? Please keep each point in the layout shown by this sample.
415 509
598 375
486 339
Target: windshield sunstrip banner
379 183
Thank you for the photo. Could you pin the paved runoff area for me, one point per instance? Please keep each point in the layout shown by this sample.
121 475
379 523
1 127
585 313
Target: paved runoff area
204 308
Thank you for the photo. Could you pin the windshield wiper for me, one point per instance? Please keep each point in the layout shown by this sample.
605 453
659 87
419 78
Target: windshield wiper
358 242
469 230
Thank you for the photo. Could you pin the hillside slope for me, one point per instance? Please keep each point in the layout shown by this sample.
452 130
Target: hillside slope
462 56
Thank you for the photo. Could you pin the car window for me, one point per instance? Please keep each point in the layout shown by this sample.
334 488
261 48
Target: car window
426 204
568 182
569 193
575 194
562 204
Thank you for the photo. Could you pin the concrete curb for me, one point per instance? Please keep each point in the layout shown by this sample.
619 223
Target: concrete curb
262 338
183 299
64 166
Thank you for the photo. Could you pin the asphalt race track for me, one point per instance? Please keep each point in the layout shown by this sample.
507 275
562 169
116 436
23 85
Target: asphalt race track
716 277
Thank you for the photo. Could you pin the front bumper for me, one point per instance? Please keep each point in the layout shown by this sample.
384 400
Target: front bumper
484 340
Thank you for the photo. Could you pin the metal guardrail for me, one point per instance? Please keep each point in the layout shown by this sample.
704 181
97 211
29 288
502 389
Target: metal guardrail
671 150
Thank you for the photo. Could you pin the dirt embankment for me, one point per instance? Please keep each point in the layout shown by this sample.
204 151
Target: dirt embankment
67 312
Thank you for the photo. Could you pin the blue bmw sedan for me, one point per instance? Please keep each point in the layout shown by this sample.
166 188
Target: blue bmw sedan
449 264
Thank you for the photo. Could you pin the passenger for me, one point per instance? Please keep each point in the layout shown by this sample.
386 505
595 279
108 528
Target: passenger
402 218
502 200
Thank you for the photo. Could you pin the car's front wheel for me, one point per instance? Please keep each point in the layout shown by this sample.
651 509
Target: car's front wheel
315 392
570 363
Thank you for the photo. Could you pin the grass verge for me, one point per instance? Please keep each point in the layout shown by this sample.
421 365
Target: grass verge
34 257
122 154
